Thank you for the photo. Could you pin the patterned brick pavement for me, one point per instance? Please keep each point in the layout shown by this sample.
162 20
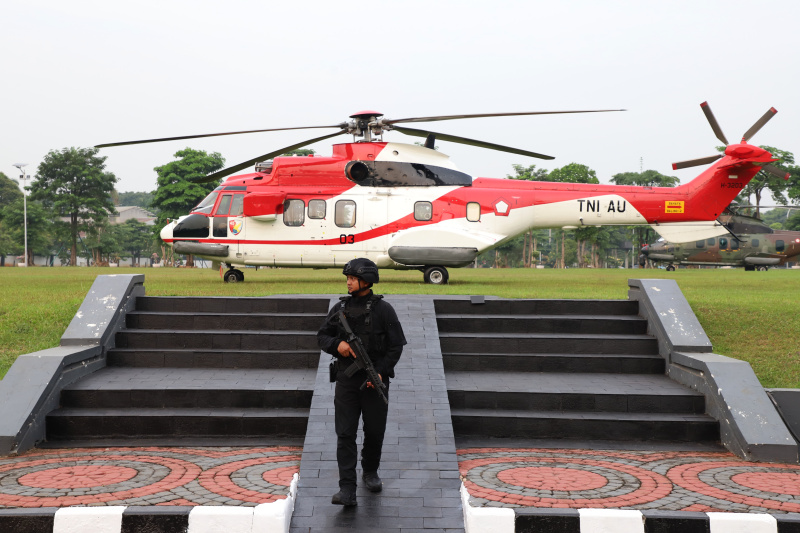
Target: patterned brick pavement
668 481
494 477
147 476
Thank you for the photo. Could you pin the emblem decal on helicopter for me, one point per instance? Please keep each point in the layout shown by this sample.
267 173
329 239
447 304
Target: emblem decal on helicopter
501 208
235 226
673 206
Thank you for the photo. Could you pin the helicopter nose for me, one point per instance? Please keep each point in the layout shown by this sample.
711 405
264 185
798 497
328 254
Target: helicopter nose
166 232
645 249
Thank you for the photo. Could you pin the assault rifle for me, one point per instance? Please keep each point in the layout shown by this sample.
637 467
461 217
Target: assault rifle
362 360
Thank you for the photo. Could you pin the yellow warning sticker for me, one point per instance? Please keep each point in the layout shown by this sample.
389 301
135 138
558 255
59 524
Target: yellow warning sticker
673 206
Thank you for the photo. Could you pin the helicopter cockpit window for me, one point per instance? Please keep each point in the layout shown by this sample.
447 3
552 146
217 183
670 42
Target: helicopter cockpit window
237 207
474 212
224 206
316 209
207 204
701 244
345 215
423 211
294 212
780 246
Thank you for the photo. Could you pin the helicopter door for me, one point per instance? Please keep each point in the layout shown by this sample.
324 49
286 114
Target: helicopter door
227 221
361 222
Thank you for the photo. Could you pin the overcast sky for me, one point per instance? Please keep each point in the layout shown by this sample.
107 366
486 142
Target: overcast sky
81 73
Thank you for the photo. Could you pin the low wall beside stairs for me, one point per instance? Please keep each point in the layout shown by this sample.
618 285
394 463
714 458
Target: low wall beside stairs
750 425
33 385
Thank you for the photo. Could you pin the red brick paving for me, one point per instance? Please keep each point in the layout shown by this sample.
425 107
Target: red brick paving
685 481
147 476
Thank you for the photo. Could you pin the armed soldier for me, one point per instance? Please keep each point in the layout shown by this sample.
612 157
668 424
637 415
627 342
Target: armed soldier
375 323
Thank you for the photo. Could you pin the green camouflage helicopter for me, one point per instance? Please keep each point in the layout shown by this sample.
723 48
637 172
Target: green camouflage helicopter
743 241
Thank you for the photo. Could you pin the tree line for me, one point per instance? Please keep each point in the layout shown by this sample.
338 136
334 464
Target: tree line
72 198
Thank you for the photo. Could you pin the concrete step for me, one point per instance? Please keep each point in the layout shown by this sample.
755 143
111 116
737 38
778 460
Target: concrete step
566 391
217 321
186 398
523 323
74 423
575 343
575 402
538 307
555 362
585 425
224 304
216 339
198 358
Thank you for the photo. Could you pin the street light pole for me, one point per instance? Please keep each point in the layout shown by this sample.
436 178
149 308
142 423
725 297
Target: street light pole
23 177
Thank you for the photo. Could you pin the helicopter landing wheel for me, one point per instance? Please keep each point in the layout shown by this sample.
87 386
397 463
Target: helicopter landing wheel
233 276
763 268
436 275
670 268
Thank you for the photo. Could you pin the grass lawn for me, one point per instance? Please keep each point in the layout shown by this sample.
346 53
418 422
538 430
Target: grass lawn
753 316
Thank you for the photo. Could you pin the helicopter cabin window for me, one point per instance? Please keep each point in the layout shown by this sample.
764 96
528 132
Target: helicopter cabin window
700 244
207 204
712 241
237 207
224 206
316 209
345 216
474 212
734 244
294 212
754 243
723 243
423 211
780 246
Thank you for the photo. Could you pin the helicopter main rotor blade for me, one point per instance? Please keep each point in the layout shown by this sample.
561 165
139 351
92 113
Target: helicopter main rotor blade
759 124
775 171
163 139
471 142
236 168
485 115
695 162
714 124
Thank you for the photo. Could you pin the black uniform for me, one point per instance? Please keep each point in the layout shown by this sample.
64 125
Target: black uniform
384 340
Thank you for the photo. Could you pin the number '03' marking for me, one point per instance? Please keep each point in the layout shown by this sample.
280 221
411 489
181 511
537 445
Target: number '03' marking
347 239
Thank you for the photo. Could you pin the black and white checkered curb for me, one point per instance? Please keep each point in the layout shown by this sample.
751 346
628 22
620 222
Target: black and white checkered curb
542 520
265 518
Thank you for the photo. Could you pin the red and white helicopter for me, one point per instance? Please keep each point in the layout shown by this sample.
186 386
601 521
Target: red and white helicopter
409 207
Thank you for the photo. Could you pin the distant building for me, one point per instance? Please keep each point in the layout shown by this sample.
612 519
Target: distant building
127 212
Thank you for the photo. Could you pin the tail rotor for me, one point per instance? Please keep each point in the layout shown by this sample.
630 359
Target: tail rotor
766 117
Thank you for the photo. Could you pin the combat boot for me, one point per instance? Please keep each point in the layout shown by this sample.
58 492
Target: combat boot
372 481
345 497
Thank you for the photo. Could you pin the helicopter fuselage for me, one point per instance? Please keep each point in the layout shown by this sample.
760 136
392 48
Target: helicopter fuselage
407 206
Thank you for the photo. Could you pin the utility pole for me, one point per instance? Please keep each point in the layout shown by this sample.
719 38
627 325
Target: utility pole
23 177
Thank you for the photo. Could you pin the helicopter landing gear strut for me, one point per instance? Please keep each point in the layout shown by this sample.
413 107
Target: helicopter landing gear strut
435 275
233 275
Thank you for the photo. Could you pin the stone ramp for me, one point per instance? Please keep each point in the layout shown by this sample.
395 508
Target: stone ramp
419 467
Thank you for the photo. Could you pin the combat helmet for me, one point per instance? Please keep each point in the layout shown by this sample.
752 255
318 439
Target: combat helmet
362 268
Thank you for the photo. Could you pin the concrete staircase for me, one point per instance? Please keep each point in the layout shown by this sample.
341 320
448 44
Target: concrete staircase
193 369
562 369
